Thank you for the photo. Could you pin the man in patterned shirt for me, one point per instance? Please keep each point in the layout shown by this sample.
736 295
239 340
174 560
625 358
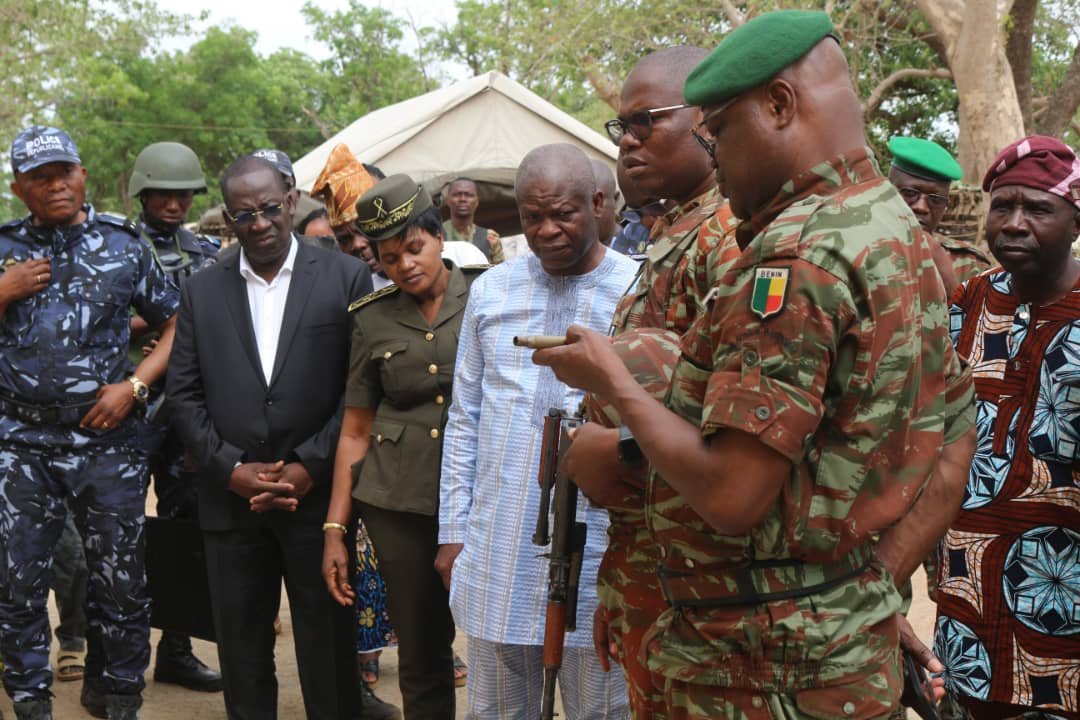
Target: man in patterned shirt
809 408
1008 626
660 155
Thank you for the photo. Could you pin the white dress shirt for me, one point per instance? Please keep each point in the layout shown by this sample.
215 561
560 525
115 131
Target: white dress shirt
267 303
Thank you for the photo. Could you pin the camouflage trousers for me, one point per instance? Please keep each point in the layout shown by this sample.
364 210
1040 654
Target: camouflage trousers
631 601
105 489
695 701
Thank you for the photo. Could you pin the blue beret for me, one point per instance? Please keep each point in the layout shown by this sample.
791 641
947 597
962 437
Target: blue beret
754 52
39 145
924 159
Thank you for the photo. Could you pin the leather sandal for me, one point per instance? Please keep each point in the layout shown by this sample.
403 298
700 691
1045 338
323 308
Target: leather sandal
461 671
70 665
369 672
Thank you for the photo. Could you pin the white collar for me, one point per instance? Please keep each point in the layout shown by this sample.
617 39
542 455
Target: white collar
286 267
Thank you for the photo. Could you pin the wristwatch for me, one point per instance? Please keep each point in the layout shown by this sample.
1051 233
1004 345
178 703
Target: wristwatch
139 390
628 449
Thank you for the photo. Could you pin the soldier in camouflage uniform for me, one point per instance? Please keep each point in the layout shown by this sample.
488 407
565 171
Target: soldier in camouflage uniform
165 179
71 422
923 171
809 409
661 156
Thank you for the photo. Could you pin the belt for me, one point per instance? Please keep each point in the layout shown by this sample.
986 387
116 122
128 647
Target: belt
712 587
35 414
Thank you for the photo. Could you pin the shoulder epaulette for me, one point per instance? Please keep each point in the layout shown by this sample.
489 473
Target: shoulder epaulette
372 297
118 222
11 224
475 268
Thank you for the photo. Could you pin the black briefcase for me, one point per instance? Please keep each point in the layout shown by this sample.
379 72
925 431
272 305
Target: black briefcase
176 578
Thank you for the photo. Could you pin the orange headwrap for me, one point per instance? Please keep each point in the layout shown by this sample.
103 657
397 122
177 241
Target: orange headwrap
341 183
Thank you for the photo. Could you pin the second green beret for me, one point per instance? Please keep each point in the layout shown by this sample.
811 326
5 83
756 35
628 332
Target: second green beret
924 159
755 52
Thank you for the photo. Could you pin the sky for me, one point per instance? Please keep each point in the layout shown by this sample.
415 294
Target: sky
279 22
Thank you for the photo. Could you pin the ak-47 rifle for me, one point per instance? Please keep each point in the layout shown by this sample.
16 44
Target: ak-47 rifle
567 548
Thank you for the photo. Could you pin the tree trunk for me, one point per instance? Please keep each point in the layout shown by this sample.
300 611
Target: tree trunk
989 113
1018 49
1063 103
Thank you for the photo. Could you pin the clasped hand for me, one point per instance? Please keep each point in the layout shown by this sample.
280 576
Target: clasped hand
271 486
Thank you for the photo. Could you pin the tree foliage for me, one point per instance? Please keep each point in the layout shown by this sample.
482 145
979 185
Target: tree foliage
95 68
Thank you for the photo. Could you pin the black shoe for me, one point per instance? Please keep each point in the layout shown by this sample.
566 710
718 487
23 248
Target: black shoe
93 701
123 707
372 708
33 710
177 665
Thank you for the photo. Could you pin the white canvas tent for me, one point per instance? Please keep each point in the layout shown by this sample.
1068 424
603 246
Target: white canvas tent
480 128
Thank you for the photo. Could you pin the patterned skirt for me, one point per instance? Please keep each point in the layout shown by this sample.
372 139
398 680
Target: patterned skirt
373 629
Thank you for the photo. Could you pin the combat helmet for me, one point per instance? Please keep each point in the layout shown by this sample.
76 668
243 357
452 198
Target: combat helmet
166 166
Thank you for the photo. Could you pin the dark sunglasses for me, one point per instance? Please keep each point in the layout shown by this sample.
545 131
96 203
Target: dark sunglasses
639 124
911 196
248 217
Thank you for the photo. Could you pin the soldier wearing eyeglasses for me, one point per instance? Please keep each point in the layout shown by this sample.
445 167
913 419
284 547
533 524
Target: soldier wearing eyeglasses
923 172
660 157
165 179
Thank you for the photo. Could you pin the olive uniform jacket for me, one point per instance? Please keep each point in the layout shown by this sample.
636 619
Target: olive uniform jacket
403 367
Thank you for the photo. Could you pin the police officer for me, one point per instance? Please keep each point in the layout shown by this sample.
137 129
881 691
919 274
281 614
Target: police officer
166 177
71 422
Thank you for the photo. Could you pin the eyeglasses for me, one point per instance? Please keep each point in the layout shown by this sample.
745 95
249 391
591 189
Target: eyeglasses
639 124
911 196
248 217
708 145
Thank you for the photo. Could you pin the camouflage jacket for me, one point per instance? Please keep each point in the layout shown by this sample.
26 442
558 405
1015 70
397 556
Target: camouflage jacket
182 252
59 345
667 294
967 259
826 339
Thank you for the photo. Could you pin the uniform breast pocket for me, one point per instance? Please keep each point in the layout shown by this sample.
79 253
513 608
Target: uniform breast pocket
392 359
384 455
102 318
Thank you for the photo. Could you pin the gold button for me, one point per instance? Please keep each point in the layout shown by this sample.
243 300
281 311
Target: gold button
434 433
387 355
429 337
432 369
439 399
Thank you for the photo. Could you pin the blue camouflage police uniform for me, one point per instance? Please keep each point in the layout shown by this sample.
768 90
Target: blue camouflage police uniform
57 347
178 253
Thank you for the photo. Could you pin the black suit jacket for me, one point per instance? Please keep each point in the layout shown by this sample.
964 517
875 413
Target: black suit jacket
226 412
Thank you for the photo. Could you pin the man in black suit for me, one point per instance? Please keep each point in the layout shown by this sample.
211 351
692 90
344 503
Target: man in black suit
256 380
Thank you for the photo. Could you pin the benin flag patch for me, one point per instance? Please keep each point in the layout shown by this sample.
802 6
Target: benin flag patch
770 288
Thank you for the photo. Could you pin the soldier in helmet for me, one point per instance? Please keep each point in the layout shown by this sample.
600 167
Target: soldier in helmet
165 179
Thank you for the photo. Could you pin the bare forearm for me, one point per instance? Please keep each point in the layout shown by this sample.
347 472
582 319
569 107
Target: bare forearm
904 546
350 449
153 366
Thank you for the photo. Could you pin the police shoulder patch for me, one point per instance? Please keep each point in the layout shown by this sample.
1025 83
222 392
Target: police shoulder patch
119 222
372 297
770 290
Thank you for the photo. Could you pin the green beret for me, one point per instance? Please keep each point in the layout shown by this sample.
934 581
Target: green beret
924 159
753 53
390 206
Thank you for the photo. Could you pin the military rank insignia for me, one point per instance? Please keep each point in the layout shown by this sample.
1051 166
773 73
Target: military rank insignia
770 289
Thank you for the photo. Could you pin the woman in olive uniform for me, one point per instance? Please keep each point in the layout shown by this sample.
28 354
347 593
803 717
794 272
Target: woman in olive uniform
404 345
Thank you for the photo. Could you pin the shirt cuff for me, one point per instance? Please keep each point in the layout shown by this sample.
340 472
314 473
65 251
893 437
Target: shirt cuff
449 534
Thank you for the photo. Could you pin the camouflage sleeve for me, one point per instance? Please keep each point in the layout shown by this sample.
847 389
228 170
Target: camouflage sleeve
959 396
156 297
497 254
770 373
363 389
